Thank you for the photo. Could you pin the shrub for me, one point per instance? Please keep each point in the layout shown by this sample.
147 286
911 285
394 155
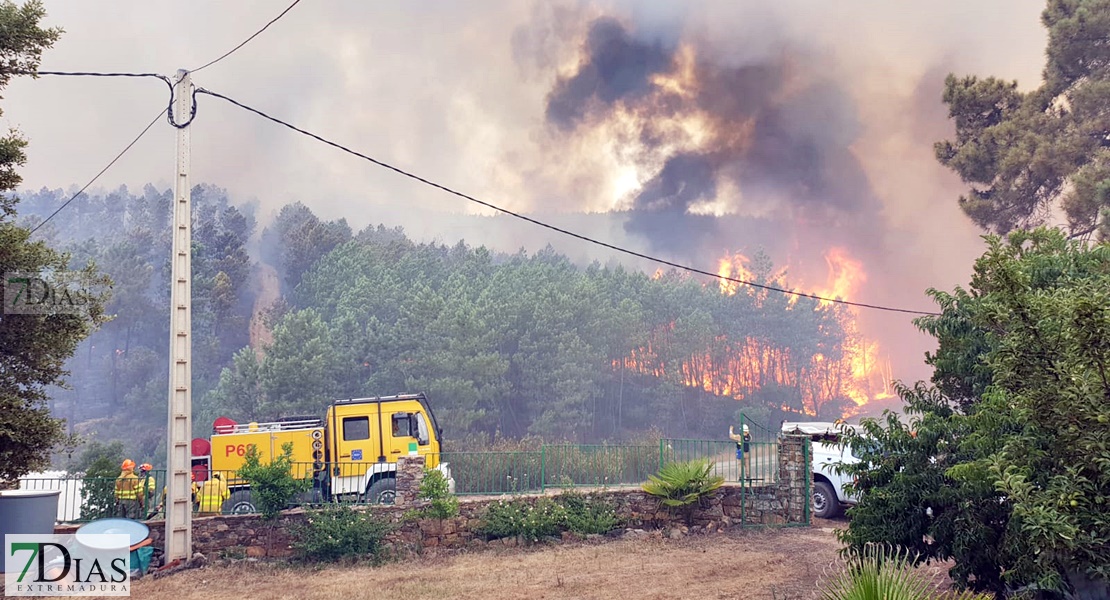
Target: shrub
879 572
519 517
100 464
683 484
98 498
339 532
587 514
273 486
547 517
443 504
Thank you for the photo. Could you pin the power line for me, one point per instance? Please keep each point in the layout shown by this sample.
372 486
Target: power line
97 176
97 74
163 78
246 41
552 227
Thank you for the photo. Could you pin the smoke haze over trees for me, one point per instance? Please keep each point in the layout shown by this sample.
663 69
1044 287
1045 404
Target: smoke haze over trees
471 111
503 344
693 130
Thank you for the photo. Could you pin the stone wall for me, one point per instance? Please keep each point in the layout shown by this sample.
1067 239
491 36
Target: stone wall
781 503
410 474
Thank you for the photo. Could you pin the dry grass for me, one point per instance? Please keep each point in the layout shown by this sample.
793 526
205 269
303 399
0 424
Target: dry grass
780 564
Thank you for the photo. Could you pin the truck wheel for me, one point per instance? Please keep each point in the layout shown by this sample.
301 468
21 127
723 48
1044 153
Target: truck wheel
825 503
382 491
239 504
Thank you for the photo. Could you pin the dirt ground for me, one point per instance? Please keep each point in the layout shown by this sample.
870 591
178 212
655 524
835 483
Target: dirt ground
778 564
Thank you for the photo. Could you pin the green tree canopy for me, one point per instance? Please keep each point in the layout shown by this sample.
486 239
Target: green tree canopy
1004 466
35 346
1027 154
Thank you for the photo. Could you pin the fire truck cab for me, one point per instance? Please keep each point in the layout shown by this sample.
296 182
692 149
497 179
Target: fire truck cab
350 454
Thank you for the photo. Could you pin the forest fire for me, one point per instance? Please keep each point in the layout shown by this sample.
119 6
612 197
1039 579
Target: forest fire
695 138
819 380
861 375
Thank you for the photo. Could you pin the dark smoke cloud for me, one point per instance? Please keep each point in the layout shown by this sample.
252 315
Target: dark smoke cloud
779 134
459 92
617 68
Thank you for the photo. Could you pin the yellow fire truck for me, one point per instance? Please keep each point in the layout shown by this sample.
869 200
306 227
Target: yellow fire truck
350 454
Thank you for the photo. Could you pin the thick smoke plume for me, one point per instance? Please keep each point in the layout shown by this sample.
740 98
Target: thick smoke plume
770 137
715 125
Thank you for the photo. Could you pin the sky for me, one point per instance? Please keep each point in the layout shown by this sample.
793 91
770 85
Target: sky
460 93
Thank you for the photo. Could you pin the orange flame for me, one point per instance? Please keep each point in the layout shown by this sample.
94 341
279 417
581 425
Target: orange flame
740 367
869 375
735 267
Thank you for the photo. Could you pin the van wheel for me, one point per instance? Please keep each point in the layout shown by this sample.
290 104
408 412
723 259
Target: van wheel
825 503
239 504
382 491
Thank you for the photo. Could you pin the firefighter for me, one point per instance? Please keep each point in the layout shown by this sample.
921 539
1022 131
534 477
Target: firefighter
213 494
128 492
146 488
743 450
194 488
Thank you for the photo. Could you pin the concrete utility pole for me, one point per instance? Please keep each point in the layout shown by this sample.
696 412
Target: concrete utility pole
179 505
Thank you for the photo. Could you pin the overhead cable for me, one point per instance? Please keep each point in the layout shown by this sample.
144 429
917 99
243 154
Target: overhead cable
170 83
246 41
97 176
572 234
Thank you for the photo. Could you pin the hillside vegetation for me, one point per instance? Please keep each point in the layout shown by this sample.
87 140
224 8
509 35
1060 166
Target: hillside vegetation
508 345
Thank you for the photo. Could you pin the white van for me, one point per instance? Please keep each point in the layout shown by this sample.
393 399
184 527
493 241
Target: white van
828 495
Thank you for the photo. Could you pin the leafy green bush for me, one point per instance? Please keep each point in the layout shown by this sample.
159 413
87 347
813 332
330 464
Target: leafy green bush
519 517
684 484
100 464
1001 465
879 572
273 486
443 504
587 514
549 516
98 498
340 532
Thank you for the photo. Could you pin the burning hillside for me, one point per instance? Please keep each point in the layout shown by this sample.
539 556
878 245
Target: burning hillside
701 138
740 365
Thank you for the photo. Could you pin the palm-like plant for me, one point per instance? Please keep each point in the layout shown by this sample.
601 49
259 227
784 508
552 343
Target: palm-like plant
683 484
880 572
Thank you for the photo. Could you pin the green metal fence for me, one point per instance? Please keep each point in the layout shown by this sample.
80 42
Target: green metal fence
495 472
475 473
552 466
760 465
83 499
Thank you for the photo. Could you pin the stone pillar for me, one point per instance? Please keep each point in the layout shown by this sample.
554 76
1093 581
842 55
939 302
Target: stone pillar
410 473
795 476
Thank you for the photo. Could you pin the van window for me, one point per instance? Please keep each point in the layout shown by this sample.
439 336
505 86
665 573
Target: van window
422 430
356 428
402 425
